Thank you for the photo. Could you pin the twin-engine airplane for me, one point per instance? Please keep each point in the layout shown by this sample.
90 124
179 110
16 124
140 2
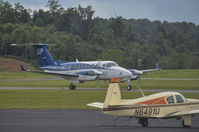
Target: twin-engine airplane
161 105
78 72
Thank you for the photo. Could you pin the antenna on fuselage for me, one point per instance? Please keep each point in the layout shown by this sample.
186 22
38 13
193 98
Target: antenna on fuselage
139 65
31 44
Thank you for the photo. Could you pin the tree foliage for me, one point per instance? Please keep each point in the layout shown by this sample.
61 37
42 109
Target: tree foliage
78 34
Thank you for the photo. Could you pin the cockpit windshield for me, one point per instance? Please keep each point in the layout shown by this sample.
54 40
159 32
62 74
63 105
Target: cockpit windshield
170 99
179 99
111 64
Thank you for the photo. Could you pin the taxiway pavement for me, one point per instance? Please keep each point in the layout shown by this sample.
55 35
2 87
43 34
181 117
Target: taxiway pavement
16 79
13 120
134 90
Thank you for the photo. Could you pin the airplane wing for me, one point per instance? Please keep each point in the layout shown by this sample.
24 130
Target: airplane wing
50 73
96 104
178 113
193 112
140 72
151 70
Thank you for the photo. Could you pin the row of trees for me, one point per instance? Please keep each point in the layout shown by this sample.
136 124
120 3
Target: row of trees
78 34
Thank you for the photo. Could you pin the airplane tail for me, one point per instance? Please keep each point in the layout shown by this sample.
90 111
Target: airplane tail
157 66
113 96
43 56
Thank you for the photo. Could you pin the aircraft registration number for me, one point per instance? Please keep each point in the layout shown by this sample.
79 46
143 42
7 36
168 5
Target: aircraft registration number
147 112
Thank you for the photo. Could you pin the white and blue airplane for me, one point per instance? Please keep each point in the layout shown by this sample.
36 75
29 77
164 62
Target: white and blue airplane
78 72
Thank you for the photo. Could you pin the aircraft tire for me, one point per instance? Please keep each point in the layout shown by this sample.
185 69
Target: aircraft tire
72 87
185 126
144 122
129 87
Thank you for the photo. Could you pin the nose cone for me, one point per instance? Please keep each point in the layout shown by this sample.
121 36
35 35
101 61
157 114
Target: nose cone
128 73
125 73
119 72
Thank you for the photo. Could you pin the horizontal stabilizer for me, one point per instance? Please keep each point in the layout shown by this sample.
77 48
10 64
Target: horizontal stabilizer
22 68
64 75
31 44
56 74
96 104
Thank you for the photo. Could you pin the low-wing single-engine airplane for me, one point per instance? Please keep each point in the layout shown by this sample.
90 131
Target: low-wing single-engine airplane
78 72
161 105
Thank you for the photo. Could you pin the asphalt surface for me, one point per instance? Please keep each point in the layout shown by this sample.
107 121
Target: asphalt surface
136 90
82 121
10 79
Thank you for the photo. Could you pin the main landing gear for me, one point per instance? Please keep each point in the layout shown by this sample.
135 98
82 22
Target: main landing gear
129 85
184 125
186 121
72 87
143 121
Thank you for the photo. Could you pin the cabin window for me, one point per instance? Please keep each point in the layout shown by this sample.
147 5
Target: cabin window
179 99
83 66
74 66
69 67
78 66
170 99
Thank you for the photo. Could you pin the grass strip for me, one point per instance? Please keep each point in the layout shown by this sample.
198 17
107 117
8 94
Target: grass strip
59 99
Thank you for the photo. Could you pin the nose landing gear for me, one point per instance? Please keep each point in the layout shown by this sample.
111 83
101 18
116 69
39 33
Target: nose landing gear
72 87
129 87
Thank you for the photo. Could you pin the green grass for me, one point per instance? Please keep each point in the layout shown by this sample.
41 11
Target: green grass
183 73
66 99
48 99
145 84
23 75
170 84
58 99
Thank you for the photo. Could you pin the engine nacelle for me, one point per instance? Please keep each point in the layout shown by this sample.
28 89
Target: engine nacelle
90 73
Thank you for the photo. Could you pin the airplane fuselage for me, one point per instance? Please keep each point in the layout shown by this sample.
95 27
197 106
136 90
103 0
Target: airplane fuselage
155 106
90 70
161 105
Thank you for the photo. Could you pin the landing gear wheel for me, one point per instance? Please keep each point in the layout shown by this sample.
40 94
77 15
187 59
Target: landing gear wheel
144 122
129 87
185 126
72 87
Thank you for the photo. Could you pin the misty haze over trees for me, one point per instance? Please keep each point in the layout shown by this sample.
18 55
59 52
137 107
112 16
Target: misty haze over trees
78 34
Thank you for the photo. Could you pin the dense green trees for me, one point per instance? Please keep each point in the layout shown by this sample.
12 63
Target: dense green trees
78 34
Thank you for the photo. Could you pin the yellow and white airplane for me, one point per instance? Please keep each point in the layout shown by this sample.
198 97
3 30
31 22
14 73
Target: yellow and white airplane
161 105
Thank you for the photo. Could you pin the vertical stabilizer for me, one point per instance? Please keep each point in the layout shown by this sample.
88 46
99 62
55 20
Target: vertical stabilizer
157 66
43 56
113 96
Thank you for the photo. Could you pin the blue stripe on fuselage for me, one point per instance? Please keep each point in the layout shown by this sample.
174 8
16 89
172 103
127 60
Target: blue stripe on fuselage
72 66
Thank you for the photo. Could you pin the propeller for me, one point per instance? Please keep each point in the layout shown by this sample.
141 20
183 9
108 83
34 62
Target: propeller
98 75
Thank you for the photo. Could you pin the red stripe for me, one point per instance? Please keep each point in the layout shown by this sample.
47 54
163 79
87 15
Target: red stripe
160 100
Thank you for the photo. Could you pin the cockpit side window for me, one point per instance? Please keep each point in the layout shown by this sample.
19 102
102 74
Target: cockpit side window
170 99
179 99
111 64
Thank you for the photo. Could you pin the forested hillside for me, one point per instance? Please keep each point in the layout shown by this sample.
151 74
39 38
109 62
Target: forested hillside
78 34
